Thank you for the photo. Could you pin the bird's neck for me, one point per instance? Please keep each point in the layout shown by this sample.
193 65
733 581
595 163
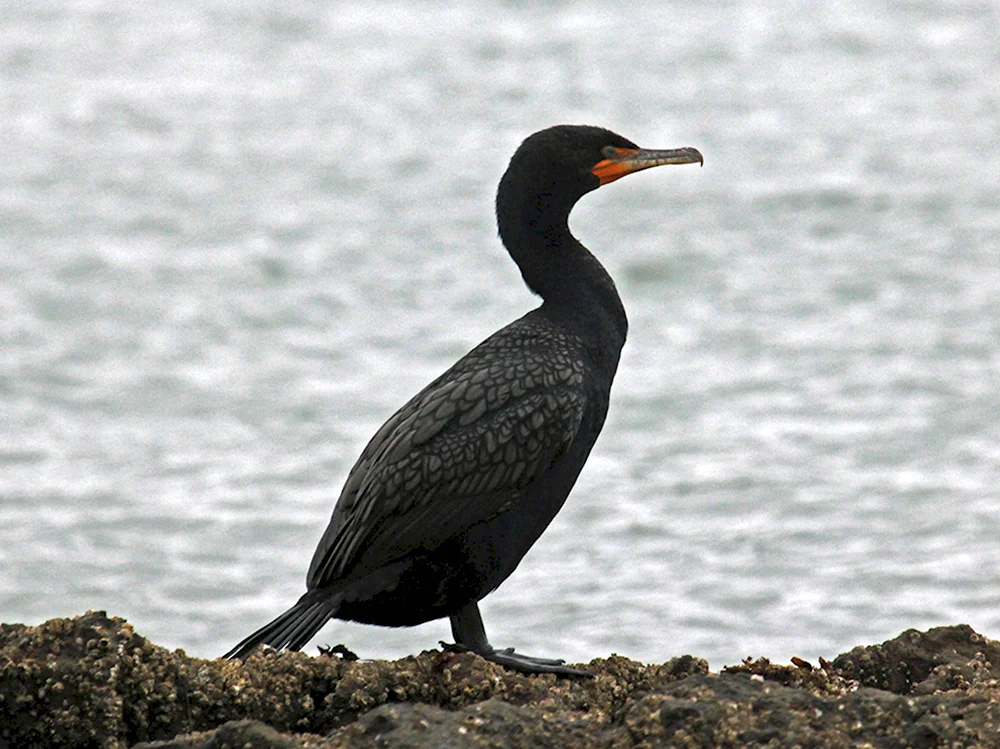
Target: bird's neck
570 280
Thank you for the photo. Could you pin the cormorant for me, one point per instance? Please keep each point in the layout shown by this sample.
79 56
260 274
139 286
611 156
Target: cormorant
458 484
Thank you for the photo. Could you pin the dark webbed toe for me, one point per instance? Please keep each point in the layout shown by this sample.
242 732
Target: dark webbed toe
526 664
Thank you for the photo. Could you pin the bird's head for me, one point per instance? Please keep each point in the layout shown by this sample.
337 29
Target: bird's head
548 174
563 163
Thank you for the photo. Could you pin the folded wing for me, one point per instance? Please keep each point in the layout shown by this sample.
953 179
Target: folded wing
460 452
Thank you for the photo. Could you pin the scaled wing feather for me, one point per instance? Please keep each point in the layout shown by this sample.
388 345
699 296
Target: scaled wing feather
457 454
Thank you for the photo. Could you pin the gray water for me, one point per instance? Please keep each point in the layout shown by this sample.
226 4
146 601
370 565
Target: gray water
236 236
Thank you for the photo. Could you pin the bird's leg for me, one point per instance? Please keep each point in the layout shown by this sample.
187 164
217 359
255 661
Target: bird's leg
467 629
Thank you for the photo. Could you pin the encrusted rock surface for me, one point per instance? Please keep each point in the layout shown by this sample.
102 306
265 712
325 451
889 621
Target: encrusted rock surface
91 681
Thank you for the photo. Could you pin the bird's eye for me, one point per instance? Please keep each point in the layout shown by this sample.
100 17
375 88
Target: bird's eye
609 152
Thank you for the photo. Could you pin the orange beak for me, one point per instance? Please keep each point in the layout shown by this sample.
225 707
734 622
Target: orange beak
628 160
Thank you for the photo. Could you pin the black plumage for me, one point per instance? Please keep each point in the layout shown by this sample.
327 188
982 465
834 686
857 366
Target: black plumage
458 484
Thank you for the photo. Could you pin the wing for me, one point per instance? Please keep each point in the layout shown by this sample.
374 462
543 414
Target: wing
460 452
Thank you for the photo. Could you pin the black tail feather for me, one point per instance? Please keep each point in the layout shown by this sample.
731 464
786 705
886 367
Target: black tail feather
292 629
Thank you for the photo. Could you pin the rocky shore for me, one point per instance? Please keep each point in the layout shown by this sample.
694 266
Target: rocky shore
91 681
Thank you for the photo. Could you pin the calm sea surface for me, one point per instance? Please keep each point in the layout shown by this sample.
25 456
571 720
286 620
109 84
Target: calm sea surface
236 236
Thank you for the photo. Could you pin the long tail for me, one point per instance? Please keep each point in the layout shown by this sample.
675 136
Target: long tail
293 629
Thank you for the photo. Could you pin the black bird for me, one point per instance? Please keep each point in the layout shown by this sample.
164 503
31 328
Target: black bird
454 489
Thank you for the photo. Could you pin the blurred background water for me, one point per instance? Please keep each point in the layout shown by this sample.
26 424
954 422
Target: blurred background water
236 236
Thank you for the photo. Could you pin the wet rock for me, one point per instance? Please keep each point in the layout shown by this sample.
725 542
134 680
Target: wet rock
236 734
92 681
492 723
942 658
